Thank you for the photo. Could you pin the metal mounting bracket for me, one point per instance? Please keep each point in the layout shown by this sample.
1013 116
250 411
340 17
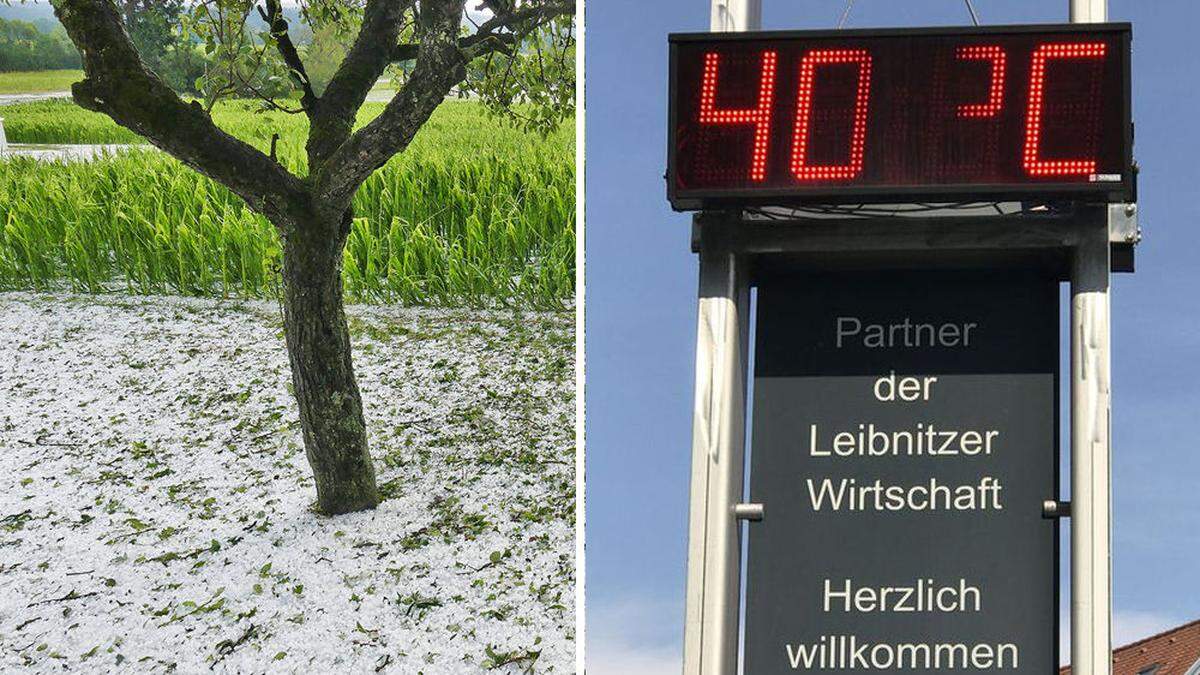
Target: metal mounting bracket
1052 509
751 512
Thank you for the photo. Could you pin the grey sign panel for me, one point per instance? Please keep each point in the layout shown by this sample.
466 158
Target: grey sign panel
905 435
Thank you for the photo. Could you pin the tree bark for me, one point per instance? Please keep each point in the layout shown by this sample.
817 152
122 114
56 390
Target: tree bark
130 7
318 341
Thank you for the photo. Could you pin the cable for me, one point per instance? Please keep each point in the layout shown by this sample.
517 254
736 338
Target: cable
850 5
896 211
971 9
845 14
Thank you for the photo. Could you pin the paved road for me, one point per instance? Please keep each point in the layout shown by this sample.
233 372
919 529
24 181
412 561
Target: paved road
66 153
13 99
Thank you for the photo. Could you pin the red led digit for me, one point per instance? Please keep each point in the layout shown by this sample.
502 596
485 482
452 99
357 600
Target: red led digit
801 169
996 92
760 117
1034 165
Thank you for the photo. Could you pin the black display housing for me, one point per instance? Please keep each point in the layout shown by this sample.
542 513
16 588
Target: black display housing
916 145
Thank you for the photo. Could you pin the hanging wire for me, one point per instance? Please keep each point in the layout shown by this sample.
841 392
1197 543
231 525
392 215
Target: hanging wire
850 6
846 13
902 211
974 15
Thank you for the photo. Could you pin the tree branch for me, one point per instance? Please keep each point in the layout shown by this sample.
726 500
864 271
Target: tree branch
489 36
119 85
441 56
278 25
440 66
358 72
476 44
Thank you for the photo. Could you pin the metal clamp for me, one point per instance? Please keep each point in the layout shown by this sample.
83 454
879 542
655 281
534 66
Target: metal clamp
1123 224
751 512
1052 509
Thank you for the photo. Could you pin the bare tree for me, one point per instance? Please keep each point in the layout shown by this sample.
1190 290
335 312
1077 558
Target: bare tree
495 49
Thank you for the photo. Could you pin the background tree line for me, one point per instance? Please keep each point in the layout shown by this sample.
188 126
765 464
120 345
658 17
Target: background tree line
23 46
177 43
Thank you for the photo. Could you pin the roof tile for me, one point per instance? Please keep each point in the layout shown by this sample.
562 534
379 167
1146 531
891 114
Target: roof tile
1173 651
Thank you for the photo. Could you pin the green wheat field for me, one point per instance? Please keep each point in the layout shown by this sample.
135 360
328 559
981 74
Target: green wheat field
38 81
474 213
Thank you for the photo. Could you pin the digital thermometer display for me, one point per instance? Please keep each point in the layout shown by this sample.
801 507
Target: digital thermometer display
900 115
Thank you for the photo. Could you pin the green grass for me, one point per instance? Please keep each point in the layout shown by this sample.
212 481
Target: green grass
473 213
38 81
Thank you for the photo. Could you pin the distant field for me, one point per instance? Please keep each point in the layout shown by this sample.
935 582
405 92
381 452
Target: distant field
39 81
473 213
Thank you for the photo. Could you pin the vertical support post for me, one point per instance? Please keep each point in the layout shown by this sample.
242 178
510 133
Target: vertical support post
718 433
1091 453
1091 428
735 15
1089 11
718 456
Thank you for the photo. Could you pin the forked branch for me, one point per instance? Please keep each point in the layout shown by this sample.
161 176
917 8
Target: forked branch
118 84
442 55
364 64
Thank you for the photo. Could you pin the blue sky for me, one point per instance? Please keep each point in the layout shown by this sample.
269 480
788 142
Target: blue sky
641 287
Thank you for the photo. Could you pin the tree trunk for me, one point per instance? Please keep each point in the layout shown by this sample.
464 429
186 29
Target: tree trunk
318 344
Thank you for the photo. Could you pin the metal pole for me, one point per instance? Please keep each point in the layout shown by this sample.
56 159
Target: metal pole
735 15
1089 11
718 454
1091 523
718 428
1091 443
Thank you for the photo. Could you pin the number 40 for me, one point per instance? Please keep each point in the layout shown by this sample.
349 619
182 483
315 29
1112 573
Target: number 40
803 170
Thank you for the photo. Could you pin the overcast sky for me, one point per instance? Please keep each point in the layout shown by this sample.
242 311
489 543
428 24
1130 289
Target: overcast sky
641 283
